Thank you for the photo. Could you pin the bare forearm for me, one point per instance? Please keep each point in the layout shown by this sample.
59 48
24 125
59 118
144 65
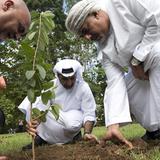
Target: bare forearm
88 136
88 126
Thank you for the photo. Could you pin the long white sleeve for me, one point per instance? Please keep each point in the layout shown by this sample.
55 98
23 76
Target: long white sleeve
148 14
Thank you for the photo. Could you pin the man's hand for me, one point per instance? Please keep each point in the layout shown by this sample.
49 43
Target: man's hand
31 127
90 137
2 83
88 126
114 133
138 72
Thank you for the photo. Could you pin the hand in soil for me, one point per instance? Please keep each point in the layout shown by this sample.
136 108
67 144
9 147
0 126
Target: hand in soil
113 134
90 137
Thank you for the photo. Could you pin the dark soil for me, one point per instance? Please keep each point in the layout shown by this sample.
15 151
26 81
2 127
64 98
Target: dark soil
86 151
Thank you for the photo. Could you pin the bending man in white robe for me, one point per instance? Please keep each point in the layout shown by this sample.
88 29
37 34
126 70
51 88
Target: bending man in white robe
128 35
77 103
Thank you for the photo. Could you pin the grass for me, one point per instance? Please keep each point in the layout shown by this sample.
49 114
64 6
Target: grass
13 142
130 131
10 143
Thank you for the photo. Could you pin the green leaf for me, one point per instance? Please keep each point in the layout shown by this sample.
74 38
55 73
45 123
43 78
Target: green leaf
55 110
42 71
48 14
46 96
27 50
43 116
45 38
31 95
53 92
30 74
38 82
32 83
31 35
43 119
41 44
35 113
47 85
48 24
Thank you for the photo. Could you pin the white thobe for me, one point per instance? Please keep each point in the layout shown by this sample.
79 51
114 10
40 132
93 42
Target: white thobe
134 31
77 107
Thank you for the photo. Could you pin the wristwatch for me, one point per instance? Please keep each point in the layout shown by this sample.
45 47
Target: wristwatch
135 61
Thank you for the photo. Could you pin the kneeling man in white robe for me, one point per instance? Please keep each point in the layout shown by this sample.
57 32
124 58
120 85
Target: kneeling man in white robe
77 103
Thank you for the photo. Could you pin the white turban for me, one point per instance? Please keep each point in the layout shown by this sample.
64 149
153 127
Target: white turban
68 67
78 14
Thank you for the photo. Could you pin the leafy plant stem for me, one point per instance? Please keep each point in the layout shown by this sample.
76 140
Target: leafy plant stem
38 40
34 62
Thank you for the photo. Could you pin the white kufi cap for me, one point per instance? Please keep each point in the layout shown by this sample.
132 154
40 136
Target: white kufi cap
78 14
68 67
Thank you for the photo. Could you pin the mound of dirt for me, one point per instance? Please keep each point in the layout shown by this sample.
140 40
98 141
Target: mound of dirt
84 151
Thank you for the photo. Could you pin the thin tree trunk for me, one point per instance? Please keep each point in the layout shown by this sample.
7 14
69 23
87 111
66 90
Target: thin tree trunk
33 149
33 146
